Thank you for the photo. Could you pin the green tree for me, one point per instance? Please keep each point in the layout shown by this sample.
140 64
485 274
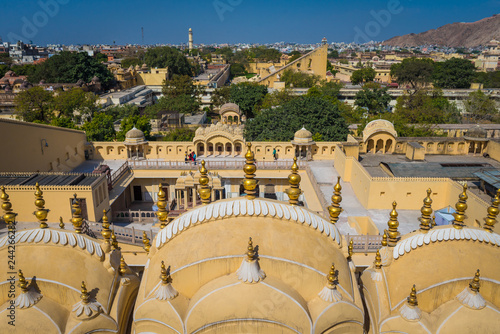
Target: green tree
69 67
3 69
333 54
247 96
5 59
366 74
488 79
376 100
221 96
140 122
275 99
75 100
179 134
166 56
425 107
238 70
63 122
131 61
179 85
100 128
180 94
480 107
415 72
454 73
294 56
34 104
122 111
26 69
101 57
280 124
299 79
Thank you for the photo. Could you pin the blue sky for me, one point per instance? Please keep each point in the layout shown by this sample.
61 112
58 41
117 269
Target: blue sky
228 21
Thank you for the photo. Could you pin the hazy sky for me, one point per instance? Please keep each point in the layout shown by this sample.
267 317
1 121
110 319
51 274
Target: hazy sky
228 21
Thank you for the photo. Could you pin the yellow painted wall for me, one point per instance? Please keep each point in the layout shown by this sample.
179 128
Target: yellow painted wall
23 142
154 77
493 149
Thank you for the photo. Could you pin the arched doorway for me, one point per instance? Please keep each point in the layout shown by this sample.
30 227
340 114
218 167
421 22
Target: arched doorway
229 149
380 146
201 149
219 148
388 146
237 148
370 146
210 149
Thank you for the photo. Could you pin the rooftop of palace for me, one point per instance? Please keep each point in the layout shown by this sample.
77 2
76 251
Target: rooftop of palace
48 179
452 166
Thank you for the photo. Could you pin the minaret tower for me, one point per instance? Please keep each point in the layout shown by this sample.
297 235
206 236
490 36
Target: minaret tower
190 39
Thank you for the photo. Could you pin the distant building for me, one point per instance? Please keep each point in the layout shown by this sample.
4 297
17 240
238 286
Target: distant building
489 60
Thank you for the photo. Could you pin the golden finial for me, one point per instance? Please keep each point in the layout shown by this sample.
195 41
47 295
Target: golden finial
294 179
165 275
434 220
350 250
61 223
335 208
378 260
251 251
22 282
204 191
393 226
491 218
145 241
41 212
460 207
9 217
425 219
332 277
106 232
76 212
123 266
250 183
162 212
412 299
474 284
114 242
384 239
85 296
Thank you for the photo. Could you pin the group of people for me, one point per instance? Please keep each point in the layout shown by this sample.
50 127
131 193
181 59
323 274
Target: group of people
190 157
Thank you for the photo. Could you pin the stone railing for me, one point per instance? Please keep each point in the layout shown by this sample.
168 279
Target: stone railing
317 190
365 243
119 173
211 165
128 235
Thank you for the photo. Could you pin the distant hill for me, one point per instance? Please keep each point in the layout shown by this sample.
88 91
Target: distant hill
453 35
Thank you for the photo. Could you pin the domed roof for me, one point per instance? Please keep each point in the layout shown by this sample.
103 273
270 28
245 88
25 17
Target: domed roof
379 125
303 133
230 107
135 137
476 132
134 133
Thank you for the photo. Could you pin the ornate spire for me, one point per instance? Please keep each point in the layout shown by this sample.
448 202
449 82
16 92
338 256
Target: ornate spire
123 266
425 219
165 291
470 296
145 241
61 223
378 260
250 183
76 212
491 218
41 212
204 191
22 282
330 293
460 207
249 271
114 242
335 208
412 299
106 232
86 308
350 250
410 311
9 217
393 226
162 212
294 179
384 239
28 297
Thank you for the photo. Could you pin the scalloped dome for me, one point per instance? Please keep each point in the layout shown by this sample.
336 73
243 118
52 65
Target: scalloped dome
135 137
379 125
476 132
303 134
230 107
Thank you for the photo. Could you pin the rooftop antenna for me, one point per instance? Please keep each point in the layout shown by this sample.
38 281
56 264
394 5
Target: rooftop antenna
142 31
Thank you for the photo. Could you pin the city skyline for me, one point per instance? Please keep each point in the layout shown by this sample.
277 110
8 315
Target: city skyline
228 21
